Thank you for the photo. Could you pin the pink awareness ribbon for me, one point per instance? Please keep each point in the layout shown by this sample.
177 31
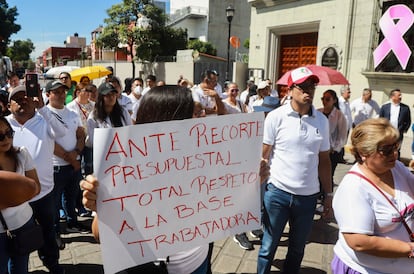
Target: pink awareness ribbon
393 35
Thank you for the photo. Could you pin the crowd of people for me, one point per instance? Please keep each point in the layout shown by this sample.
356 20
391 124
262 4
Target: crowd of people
49 139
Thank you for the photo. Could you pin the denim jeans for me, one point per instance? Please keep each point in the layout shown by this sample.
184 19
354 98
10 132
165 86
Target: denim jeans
16 264
87 161
279 208
66 193
44 211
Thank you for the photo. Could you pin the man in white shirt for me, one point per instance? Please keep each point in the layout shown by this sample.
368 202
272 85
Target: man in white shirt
296 144
364 108
207 95
37 128
345 108
66 158
151 81
245 92
397 113
136 90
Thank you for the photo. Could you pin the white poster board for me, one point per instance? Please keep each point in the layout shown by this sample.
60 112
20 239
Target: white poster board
170 186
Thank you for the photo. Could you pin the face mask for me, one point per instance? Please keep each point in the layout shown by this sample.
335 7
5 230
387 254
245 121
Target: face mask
138 90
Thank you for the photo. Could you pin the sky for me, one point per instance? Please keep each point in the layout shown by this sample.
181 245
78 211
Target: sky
49 22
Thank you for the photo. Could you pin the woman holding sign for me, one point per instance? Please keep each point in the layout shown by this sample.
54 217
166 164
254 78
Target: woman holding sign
161 103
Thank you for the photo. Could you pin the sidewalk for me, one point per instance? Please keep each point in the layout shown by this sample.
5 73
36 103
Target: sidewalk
82 255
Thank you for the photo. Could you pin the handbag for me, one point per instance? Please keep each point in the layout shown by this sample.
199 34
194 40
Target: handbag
23 240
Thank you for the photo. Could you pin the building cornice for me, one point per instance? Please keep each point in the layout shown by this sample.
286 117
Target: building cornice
387 81
258 4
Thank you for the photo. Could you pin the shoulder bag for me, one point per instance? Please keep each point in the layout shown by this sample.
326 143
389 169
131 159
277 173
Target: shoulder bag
23 240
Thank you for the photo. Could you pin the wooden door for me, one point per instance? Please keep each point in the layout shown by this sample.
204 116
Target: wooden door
296 50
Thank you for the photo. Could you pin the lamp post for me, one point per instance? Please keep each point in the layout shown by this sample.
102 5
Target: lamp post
229 15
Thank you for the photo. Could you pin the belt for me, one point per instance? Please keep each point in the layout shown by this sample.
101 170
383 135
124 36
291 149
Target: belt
58 168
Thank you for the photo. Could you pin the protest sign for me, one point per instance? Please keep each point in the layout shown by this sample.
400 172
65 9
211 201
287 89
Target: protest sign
172 186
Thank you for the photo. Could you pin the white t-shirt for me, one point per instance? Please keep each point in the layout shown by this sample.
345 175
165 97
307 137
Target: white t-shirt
82 109
38 135
344 106
296 143
243 95
67 142
337 129
199 96
363 111
17 216
95 123
238 108
360 208
187 261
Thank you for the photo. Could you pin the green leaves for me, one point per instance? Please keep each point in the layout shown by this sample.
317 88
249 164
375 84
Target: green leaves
7 24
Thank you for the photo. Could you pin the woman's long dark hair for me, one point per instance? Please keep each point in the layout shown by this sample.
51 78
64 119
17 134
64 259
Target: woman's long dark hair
115 116
334 97
12 152
165 103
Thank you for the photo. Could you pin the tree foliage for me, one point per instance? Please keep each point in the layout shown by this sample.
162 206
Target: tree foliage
7 24
125 25
20 50
203 47
246 43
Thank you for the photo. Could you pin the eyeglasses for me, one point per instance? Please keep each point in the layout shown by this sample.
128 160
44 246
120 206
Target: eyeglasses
305 87
64 78
9 134
234 90
389 150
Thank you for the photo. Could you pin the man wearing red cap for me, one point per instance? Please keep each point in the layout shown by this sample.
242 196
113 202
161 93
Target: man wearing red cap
296 144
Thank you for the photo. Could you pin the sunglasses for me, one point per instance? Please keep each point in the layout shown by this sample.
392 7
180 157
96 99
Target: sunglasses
306 87
9 134
234 90
388 150
326 99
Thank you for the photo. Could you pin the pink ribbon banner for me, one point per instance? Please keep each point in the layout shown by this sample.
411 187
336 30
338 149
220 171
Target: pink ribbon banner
393 34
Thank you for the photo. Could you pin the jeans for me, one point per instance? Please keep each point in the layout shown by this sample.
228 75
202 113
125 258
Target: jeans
279 208
87 160
66 193
16 264
44 211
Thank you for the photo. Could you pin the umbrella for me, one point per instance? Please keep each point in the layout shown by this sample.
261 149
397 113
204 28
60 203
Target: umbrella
92 72
55 71
327 76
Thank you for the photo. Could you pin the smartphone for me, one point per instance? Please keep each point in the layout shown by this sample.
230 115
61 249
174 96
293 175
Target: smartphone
32 85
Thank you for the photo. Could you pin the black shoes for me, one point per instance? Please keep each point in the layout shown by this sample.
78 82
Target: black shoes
78 228
243 241
60 242
257 233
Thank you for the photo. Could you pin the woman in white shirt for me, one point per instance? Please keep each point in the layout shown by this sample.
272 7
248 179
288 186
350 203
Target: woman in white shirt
231 103
337 126
374 205
17 160
172 103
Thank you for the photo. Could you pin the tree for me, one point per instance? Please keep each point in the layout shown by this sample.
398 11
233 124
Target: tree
203 47
141 26
7 24
20 50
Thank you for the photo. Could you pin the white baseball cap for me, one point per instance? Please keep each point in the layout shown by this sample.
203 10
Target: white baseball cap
300 75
